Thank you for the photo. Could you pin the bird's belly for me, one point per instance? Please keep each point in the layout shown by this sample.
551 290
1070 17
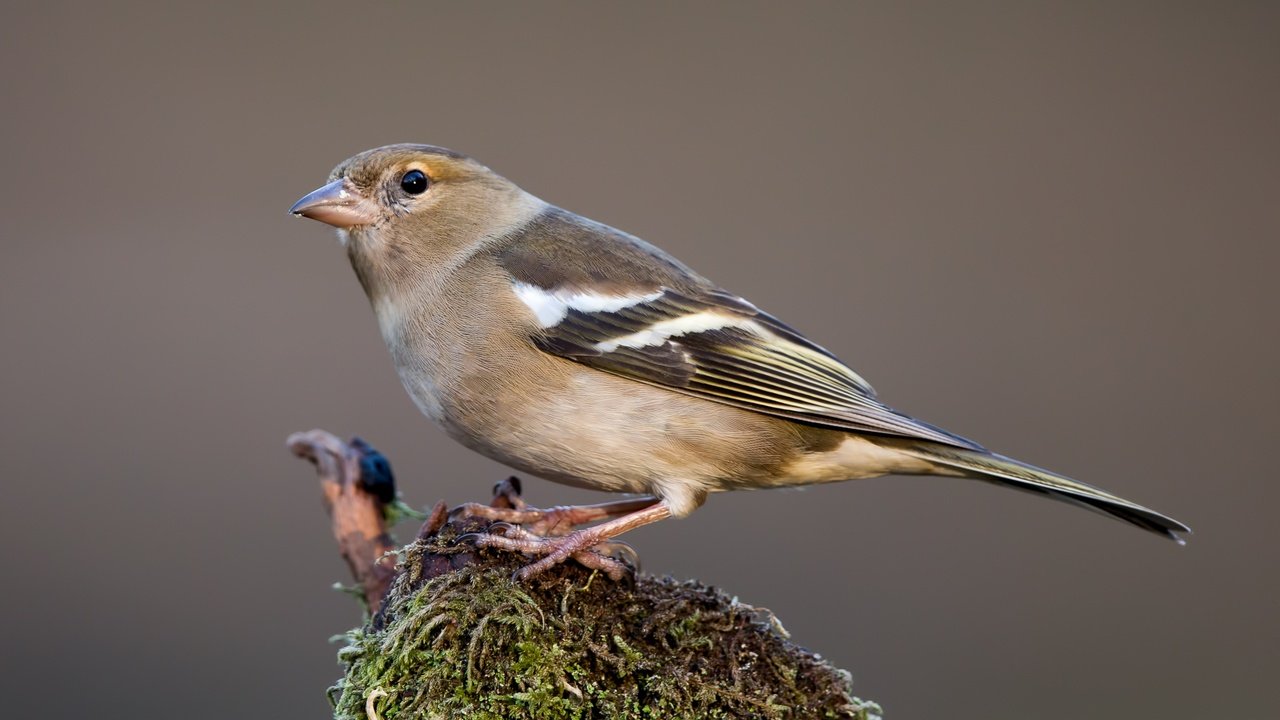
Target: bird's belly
594 441
599 431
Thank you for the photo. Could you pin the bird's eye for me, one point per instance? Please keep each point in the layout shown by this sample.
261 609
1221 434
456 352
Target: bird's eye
414 182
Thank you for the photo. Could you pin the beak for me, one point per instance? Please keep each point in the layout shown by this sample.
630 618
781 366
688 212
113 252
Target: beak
338 204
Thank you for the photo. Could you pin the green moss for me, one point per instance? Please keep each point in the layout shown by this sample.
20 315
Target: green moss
457 638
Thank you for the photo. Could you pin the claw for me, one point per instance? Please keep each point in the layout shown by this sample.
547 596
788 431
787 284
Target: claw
619 551
501 528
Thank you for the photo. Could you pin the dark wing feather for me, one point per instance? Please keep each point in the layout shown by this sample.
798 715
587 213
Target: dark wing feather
693 338
753 362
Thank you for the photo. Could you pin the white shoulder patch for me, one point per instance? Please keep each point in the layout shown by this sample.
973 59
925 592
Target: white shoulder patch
548 308
552 306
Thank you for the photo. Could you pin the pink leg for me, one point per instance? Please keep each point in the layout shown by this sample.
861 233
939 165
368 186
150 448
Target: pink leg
557 520
556 551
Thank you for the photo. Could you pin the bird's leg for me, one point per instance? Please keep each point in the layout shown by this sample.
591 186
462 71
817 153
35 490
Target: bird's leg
562 519
577 543
557 520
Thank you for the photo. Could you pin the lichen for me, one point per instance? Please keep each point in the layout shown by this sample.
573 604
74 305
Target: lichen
458 638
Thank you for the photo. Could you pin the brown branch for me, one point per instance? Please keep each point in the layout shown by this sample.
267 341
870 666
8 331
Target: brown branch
356 506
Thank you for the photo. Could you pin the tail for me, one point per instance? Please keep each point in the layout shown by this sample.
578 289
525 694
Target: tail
1009 472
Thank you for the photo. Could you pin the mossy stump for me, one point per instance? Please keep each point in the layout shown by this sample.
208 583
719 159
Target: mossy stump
452 635
457 637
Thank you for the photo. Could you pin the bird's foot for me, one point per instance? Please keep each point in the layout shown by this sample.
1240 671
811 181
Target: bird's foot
617 560
587 548
551 536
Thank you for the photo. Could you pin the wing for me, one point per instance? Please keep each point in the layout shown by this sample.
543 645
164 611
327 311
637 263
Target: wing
678 331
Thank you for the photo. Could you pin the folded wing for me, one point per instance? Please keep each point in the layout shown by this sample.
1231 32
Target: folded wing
717 346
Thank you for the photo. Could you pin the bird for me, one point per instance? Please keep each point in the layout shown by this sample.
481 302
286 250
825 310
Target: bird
581 354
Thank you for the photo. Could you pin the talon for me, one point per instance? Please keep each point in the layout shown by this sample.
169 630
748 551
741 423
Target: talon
471 538
501 528
620 552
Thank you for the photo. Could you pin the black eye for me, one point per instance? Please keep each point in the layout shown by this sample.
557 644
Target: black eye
414 182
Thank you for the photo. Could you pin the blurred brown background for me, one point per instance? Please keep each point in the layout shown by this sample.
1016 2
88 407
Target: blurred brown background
1050 228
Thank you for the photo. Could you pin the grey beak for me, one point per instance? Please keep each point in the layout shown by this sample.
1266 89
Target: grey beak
338 204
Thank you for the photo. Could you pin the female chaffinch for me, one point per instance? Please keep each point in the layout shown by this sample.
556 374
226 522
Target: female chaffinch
581 354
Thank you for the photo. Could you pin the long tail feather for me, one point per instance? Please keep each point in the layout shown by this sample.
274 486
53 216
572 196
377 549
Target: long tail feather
1013 473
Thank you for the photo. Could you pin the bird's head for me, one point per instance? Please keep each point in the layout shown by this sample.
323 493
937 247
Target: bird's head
405 210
